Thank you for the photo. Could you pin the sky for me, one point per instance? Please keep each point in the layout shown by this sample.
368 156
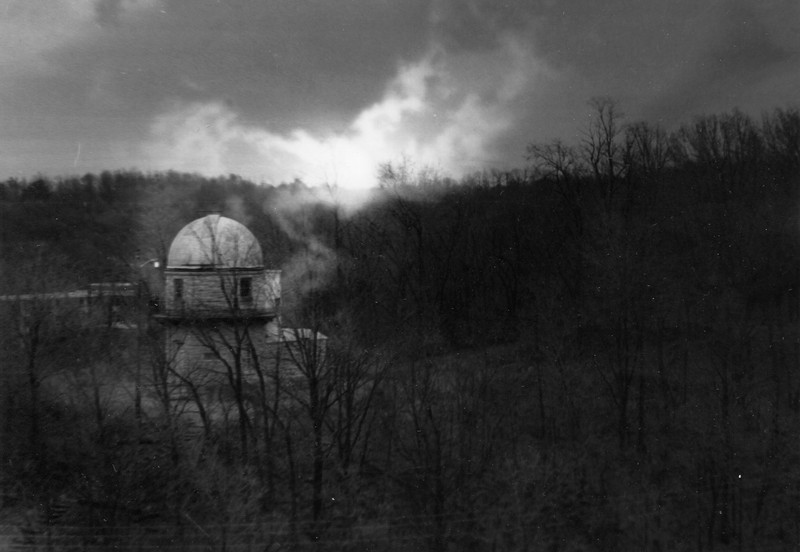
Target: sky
327 90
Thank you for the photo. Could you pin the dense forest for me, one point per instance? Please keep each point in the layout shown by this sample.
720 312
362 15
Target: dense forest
598 351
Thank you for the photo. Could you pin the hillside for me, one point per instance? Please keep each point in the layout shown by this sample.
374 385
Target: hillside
600 351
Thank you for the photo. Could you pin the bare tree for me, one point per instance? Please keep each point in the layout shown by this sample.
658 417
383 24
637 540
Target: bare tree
647 148
601 145
781 131
555 161
41 322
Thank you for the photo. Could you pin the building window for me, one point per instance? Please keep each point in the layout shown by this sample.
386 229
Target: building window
246 289
178 285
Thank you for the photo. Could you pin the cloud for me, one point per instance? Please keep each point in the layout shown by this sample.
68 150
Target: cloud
34 32
112 12
744 53
476 25
442 111
325 91
54 24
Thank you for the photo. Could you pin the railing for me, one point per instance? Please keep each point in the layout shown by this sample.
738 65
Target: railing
200 313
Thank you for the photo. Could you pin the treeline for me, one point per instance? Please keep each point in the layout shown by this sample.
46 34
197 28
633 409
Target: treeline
99 226
598 351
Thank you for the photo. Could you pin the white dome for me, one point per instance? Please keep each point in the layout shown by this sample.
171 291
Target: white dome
215 241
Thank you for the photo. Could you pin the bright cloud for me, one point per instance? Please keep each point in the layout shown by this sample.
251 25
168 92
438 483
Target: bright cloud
439 112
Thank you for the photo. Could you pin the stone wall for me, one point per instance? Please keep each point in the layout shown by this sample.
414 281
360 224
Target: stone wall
219 291
205 351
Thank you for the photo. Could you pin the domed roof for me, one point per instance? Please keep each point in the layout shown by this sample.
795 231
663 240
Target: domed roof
215 241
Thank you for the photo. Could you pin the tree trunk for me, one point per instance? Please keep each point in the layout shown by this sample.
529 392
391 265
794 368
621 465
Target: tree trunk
33 384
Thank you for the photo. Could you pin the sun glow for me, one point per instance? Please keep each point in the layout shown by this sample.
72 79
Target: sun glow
424 116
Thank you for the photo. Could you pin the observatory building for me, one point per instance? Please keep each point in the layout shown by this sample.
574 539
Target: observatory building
221 306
